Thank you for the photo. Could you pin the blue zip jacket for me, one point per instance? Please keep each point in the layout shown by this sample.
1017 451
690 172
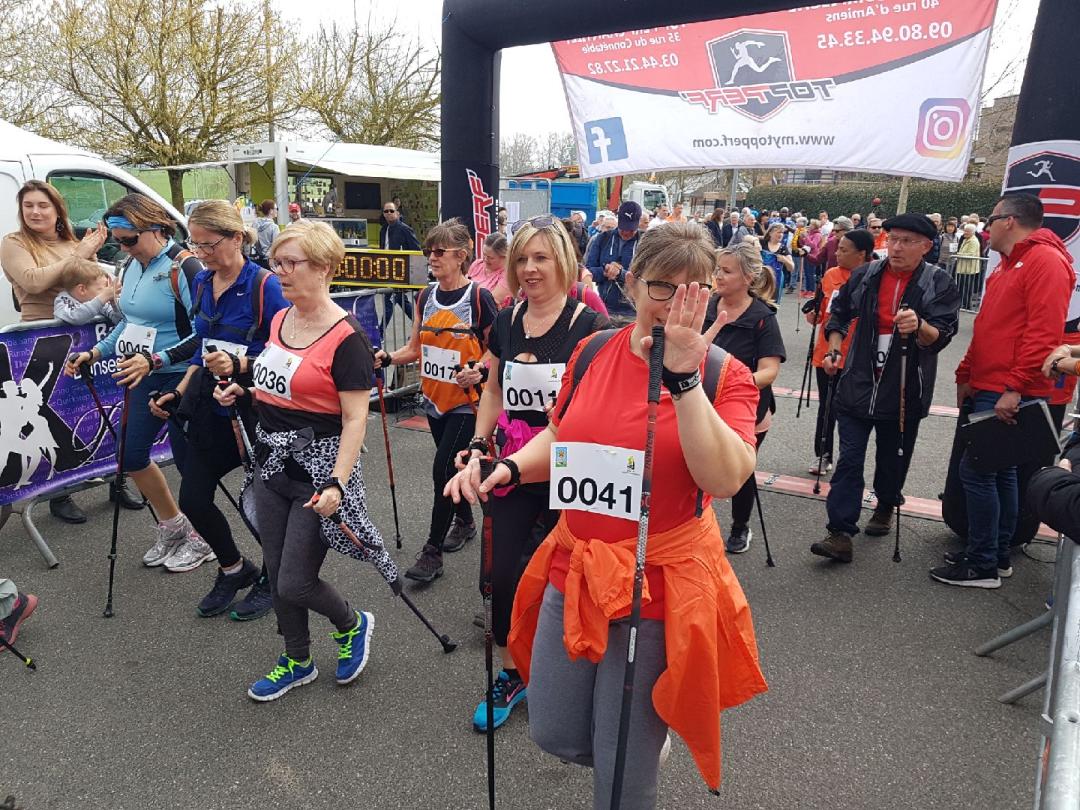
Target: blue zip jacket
147 299
606 248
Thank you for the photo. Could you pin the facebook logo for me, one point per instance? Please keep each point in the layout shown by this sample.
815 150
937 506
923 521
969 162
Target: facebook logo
606 140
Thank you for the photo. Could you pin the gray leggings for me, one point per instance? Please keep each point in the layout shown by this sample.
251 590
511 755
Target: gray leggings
293 551
574 705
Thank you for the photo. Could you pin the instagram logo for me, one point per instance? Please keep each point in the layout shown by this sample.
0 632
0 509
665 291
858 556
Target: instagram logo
943 123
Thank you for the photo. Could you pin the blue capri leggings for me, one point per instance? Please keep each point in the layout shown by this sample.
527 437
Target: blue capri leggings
143 427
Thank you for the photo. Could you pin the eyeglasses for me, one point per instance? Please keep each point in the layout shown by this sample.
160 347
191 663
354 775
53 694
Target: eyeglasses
128 241
438 253
875 227
995 217
540 222
665 291
905 241
205 247
289 265
389 211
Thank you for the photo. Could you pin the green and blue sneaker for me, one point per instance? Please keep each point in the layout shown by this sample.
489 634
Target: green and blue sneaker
288 673
354 647
506 693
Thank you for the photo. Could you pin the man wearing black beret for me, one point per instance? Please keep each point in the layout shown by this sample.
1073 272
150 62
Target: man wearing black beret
905 307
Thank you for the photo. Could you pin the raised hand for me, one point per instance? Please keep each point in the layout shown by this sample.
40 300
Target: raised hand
684 344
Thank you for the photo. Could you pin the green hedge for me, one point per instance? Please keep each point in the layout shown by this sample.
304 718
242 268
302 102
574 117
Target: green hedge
924 196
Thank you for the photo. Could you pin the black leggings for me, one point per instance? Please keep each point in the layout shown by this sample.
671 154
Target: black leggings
520 521
452 434
211 455
742 502
821 430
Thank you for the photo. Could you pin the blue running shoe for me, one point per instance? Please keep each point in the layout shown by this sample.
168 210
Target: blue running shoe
506 695
288 673
354 647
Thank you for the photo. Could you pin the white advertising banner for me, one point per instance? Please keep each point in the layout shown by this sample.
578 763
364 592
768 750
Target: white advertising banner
860 86
1051 171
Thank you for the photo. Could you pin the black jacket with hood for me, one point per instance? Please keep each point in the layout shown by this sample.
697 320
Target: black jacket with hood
933 296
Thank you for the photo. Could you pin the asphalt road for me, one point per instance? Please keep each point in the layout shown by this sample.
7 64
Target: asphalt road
875 699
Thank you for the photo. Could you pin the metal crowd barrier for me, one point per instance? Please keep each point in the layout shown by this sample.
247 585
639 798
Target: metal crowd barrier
1057 777
969 275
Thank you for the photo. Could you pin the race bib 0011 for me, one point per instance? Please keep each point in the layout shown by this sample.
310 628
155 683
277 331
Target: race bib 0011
135 339
438 364
274 370
213 345
596 478
530 386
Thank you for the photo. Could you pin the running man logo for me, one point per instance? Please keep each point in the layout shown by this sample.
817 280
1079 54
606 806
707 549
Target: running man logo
606 140
1054 178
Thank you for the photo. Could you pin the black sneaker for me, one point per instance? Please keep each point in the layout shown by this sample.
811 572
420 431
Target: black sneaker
966 575
739 538
1004 567
225 588
130 497
256 604
67 510
459 534
428 565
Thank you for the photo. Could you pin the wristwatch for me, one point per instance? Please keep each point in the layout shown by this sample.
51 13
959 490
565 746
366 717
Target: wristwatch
157 362
334 481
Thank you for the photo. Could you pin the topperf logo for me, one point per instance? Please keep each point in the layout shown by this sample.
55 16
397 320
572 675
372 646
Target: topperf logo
1054 178
752 57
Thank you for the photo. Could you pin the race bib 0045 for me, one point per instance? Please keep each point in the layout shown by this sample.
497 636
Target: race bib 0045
530 386
438 364
135 339
274 370
596 478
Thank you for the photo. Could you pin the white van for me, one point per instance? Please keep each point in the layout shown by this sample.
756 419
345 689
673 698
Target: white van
87 183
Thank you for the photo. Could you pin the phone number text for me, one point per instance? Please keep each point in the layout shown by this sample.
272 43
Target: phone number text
632 64
873 36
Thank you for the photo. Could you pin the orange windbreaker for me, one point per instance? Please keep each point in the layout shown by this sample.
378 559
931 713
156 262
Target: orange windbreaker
712 659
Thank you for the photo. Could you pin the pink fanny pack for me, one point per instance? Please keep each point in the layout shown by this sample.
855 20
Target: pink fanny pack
518 433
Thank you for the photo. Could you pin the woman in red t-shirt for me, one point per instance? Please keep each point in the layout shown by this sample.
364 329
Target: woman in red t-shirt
696 643
311 386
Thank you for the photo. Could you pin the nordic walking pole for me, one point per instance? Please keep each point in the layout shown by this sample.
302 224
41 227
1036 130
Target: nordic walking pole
900 447
827 412
395 583
656 366
89 380
487 588
25 659
389 455
120 447
761 519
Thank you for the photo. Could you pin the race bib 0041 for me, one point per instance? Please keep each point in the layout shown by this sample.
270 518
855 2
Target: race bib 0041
530 386
274 370
135 339
596 478
438 364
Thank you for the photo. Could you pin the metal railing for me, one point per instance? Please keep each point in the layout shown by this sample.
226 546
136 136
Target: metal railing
969 275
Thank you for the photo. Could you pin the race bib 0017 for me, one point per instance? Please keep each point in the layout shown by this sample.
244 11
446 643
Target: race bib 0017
438 364
530 386
596 478
135 339
214 345
274 370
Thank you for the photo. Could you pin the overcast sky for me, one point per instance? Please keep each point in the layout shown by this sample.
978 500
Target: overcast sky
532 98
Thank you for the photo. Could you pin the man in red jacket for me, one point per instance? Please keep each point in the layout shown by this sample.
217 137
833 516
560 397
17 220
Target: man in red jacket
1020 322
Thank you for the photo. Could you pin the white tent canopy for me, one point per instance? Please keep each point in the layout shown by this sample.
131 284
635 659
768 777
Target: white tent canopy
363 160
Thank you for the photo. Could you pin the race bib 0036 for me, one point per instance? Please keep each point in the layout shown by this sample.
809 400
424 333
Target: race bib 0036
438 364
135 339
274 370
596 478
530 386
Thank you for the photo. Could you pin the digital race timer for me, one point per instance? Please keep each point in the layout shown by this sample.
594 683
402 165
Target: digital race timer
382 268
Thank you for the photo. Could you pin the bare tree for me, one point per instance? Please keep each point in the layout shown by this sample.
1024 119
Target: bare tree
557 149
371 85
26 97
166 82
518 155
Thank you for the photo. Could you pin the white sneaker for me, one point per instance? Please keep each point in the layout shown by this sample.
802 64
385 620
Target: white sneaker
192 553
168 541
665 751
825 465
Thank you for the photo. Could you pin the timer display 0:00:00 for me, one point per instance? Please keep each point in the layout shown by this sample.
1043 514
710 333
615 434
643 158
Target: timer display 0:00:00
366 267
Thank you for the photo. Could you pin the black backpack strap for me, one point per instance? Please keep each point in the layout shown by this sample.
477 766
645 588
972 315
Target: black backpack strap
183 262
716 363
257 296
597 341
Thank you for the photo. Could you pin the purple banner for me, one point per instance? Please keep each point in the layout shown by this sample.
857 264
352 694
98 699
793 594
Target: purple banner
51 433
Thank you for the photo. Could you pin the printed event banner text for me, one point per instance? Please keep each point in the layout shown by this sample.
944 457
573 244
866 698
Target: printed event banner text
859 86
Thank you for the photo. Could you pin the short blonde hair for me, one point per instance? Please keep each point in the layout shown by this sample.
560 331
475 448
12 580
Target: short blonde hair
663 253
558 242
221 217
319 242
75 271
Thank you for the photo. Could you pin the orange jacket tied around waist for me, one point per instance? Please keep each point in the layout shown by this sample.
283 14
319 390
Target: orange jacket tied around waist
712 660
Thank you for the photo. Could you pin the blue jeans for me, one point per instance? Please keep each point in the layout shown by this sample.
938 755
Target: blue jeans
797 273
143 427
993 502
844 502
810 276
778 275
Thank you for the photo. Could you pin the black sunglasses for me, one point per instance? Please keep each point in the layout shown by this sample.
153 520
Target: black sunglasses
389 211
128 241
438 253
995 217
